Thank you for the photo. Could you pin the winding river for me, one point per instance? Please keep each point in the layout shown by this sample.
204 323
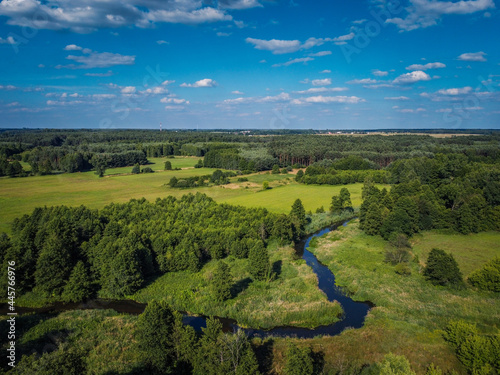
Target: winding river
354 312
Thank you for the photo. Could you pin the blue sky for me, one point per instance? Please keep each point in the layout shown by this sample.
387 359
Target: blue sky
359 64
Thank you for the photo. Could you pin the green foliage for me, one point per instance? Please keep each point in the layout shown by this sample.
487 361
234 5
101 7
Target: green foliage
79 286
276 169
136 169
433 370
336 206
168 165
299 175
298 215
258 262
147 170
395 365
299 361
488 277
478 353
64 361
222 282
345 198
442 269
402 269
155 331
265 185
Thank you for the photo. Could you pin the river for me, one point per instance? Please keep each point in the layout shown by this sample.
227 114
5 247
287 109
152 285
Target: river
353 317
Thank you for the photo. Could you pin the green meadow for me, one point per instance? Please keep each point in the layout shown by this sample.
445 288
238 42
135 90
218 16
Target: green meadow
410 312
19 196
292 298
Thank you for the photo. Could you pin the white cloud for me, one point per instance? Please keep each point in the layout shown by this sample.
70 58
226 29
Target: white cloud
128 90
236 92
321 54
397 98
279 47
294 61
315 90
8 87
239 4
158 90
103 96
8 40
455 91
333 99
412 77
174 101
72 47
283 97
326 71
425 13
379 73
444 110
109 73
476 56
436 65
364 81
321 82
409 110
96 14
220 33
167 82
207 82
160 42
341 40
91 59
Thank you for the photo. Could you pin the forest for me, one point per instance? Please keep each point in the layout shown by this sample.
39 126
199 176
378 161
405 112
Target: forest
218 235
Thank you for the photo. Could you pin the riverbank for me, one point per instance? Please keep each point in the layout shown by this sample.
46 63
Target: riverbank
410 312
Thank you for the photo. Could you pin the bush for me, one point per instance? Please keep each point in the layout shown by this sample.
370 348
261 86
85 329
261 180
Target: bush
488 277
442 269
242 179
147 170
402 269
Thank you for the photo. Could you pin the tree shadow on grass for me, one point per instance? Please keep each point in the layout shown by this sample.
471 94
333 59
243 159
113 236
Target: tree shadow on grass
240 286
265 356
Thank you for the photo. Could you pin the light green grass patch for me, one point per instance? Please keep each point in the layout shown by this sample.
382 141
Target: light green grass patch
471 251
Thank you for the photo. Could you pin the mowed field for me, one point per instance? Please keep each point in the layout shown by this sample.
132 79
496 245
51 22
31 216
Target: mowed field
19 196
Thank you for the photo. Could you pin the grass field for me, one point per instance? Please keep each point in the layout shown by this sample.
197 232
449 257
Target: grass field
293 298
410 312
19 196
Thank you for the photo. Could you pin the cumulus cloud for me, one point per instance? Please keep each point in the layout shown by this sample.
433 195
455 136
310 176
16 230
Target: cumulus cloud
128 90
283 97
239 4
476 56
379 73
326 71
207 82
279 47
455 91
174 101
294 61
96 14
412 77
436 65
92 59
8 87
321 82
425 13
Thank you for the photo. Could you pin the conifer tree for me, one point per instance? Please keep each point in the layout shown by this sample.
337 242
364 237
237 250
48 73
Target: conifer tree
222 281
79 286
258 259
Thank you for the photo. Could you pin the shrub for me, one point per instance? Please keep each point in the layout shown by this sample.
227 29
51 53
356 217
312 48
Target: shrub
442 269
147 170
402 269
488 277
